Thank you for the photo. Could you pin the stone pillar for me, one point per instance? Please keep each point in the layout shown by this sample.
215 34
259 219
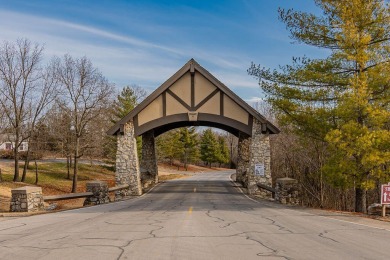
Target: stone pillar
149 159
26 199
260 161
100 193
243 158
287 191
127 165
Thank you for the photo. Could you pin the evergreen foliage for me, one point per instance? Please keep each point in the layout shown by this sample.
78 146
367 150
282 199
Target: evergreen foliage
180 144
125 102
223 151
189 150
342 100
209 148
168 146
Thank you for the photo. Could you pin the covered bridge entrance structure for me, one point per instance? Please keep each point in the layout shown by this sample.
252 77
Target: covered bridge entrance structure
192 97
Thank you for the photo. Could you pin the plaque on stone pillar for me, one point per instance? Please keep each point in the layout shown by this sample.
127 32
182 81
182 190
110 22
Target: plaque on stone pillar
259 169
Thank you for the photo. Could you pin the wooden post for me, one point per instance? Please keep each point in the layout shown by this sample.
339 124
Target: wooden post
383 210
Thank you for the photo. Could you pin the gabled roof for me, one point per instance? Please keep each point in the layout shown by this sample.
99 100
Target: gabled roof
191 66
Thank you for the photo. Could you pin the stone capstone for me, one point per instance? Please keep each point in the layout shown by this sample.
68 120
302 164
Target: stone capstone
26 199
287 191
100 193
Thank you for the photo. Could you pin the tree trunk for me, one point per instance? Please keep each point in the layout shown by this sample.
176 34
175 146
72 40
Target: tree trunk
231 155
68 162
321 189
360 200
36 171
76 157
378 190
16 159
26 163
1 176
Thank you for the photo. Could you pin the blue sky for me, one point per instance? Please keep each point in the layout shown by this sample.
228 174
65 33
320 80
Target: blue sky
145 42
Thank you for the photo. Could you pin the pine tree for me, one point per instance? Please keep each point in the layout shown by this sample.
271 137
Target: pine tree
189 151
126 100
209 147
179 144
169 146
223 151
343 99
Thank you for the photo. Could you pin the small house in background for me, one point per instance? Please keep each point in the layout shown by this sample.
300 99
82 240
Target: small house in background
7 143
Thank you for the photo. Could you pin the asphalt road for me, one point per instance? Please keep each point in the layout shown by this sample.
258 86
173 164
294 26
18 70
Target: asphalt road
201 217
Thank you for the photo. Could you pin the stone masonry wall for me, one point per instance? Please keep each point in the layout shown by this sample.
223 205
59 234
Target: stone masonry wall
243 158
149 160
127 165
287 191
260 156
100 193
26 199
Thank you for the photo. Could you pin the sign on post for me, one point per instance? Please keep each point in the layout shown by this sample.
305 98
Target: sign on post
259 169
385 194
385 197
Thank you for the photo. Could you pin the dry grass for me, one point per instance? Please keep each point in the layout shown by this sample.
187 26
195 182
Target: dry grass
172 176
53 180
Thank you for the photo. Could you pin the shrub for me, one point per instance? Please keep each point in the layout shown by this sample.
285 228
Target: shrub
9 154
6 154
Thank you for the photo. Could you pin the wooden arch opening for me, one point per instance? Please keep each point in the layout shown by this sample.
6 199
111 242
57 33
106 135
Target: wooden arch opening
191 97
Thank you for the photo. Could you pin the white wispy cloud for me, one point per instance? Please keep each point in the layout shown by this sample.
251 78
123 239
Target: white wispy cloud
48 24
254 100
124 59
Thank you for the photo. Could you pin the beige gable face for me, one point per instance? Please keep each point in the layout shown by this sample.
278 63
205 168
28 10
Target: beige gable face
234 111
192 97
212 106
203 88
153 111
182 88
174 106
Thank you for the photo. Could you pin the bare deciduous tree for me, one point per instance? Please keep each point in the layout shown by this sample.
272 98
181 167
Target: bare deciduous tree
85 96
59 124
20 74
40 99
